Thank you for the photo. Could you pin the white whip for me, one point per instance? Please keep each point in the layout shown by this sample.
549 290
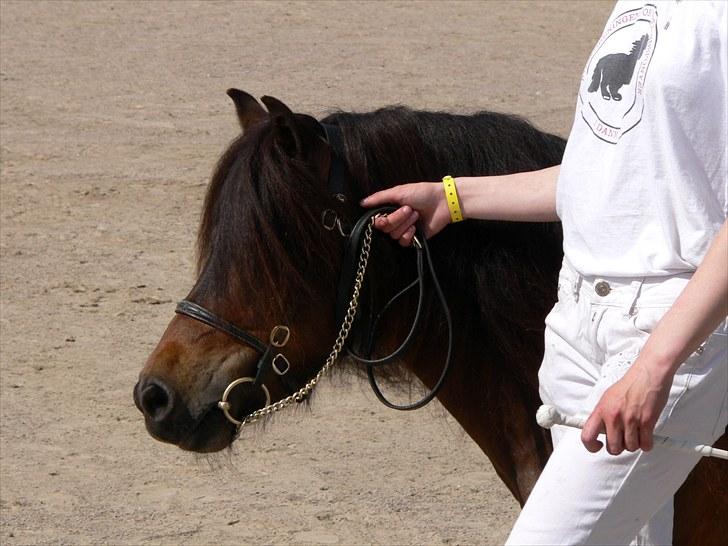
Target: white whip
548 416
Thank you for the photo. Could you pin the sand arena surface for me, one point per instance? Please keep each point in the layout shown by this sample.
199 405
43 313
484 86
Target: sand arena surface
112 116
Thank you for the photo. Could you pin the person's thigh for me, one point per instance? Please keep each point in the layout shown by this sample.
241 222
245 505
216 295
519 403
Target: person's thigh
570 366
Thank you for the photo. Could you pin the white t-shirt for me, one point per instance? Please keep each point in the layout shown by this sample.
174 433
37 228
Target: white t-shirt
643 187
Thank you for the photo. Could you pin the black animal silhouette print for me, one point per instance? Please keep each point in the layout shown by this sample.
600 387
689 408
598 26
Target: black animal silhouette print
615 70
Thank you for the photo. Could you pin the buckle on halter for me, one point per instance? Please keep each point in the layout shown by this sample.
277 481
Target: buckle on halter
329 219
279 335
274 364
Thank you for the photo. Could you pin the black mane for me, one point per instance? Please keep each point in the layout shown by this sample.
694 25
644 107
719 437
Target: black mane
395 145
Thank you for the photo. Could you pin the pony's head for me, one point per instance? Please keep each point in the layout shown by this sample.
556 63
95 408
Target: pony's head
263 260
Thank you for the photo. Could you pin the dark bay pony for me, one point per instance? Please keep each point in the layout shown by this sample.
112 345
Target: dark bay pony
266 259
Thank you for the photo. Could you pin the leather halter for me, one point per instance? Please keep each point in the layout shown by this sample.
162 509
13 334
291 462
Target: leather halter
272 359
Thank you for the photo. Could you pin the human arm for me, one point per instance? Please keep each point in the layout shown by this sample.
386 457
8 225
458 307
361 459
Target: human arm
629 409
528 196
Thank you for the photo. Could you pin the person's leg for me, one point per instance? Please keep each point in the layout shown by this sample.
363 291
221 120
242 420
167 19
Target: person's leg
658 529
585 498
571 363
590 342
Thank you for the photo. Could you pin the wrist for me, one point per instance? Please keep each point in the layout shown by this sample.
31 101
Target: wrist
464 190
661 364
452 199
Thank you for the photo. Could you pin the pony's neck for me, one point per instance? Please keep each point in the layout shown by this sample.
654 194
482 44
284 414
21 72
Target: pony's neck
491 389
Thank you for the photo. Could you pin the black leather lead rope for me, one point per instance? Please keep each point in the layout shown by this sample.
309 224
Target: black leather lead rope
423 254
448 357
338 181
374 362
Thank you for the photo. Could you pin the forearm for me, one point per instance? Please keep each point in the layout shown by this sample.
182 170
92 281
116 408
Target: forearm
526 197
701 306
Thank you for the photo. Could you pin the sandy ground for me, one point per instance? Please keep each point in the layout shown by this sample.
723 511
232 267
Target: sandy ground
112 116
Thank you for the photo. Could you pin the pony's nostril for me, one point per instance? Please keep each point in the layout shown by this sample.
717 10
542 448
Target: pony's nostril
156 400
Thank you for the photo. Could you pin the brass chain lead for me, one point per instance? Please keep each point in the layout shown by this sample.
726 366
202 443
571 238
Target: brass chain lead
346 324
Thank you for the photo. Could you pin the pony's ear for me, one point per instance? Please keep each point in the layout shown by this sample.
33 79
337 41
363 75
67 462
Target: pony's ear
299 136
248 109
284 126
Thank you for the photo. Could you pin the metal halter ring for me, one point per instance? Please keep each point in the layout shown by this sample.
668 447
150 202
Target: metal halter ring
279 335
329 218
224 405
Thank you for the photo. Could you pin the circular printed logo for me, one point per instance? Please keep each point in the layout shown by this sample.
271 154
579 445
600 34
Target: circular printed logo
610 96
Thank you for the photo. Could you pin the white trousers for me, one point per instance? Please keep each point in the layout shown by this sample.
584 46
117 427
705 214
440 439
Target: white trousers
593 334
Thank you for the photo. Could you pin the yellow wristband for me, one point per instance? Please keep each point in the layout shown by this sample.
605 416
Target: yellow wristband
451 196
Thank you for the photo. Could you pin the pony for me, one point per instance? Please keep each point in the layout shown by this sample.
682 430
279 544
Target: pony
266 258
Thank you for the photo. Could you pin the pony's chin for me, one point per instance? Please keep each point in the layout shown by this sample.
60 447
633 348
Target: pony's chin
208 443
213 432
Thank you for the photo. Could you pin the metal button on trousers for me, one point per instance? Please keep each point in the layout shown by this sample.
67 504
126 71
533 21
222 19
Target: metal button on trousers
602 288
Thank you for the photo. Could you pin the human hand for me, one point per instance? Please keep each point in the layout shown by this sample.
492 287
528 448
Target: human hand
421 200
628 411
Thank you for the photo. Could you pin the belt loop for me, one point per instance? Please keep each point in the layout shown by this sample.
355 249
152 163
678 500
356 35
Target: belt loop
576 285
636 290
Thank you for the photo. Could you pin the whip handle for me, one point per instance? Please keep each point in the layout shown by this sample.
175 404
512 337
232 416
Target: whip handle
672 443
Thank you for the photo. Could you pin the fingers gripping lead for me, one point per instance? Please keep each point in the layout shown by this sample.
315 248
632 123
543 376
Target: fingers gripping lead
419 201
